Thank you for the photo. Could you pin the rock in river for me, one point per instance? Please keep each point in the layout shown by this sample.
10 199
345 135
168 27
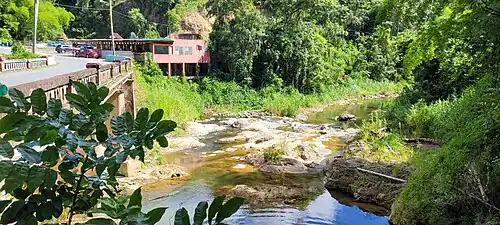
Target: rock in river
343 175
240 166
346 117
284 165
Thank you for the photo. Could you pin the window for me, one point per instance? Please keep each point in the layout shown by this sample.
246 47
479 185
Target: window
162 50
199 47
179 51
188 50
183 50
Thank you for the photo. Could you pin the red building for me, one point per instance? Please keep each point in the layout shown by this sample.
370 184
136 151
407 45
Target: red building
186 54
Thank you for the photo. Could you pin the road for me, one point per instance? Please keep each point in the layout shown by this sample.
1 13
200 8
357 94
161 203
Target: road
65 64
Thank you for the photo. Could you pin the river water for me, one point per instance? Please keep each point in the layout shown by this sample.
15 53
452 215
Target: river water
210 176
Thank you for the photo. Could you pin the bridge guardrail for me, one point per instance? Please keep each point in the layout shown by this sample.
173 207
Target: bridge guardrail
23 64
58 86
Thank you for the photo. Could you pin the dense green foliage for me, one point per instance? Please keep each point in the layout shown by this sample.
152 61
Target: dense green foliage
132 18
5 35
59 166
452 58
309 45
16 16
459 183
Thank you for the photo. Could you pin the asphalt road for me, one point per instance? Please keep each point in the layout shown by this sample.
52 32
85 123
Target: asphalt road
65 64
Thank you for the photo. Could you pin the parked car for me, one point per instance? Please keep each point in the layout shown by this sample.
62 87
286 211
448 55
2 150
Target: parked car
84 45
53 44
64 48
87 53
7 44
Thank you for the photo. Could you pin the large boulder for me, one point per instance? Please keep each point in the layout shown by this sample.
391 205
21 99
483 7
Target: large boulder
343 175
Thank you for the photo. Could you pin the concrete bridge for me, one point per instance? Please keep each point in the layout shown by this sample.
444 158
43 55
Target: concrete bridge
117 77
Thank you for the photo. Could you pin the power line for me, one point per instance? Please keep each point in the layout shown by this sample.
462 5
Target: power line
114 11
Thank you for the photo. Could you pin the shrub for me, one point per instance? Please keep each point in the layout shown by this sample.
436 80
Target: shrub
150 68
57 176
382 145
5 35
229 96
272 155
457 184
19 52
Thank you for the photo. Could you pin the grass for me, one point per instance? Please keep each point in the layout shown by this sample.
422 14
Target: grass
289 103
381 145
181 102
186 101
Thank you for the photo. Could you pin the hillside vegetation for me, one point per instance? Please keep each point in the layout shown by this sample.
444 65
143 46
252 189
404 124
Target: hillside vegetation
282 55
446 53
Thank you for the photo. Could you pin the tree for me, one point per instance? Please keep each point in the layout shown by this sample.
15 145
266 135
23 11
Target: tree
151 32
235 43
139 23
173 21
5 35
17 18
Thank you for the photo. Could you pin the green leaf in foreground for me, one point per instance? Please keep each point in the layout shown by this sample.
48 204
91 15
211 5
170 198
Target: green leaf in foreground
6 105
200 213
215 207
54 108
229 209
155 215
136 198
39 101
11 212
6 149
181 217
18 97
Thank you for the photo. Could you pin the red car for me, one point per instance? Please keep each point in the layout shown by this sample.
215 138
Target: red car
87 53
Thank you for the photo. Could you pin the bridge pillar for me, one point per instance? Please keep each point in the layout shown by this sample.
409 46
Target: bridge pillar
169 70
129 97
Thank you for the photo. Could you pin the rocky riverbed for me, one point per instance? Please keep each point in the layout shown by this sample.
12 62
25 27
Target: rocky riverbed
272 161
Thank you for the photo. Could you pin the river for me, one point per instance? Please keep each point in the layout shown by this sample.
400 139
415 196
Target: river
298 198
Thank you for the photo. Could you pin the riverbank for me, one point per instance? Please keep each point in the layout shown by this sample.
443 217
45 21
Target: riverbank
270 159
186 101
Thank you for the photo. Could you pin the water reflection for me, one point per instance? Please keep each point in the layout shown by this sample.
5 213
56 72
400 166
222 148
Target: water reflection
323 210
361 110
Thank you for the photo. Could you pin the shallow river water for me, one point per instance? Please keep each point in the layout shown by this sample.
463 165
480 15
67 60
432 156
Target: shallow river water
211 175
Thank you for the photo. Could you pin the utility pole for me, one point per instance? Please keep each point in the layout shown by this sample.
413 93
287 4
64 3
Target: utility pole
35 19
111 21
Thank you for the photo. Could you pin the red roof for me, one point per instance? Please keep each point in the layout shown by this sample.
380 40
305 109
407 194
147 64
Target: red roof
116 35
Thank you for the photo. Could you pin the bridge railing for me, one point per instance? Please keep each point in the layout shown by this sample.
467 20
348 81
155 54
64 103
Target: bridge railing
35 63
58 86
18 64
23 64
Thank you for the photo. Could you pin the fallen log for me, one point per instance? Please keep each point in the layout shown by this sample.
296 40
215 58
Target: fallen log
381 175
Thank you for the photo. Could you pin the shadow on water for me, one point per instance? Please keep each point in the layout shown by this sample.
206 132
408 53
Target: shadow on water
213 175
